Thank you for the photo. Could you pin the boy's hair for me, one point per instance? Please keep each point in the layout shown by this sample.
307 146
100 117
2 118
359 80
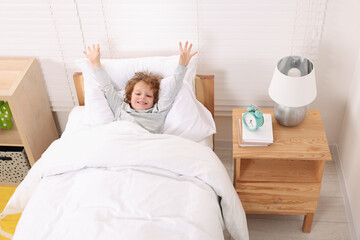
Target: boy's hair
150 79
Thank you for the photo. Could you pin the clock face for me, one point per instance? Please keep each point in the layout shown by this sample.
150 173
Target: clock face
250 121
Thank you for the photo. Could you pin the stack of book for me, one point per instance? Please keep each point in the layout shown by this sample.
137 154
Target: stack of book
263 136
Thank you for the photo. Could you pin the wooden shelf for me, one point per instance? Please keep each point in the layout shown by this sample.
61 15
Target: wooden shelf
10 137
259 170
22 85
8 184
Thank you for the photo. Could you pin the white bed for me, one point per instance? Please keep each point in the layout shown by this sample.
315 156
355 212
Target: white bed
118 181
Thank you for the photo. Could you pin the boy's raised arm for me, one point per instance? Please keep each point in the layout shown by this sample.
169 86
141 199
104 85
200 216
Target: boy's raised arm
185 54
165 102
94 55
104 80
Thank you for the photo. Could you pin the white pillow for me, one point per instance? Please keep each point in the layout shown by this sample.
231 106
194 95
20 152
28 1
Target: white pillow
188 118
98 112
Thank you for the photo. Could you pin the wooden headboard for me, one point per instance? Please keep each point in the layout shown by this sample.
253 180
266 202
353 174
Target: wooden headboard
204 90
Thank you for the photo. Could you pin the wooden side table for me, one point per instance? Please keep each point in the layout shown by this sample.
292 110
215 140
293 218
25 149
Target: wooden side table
22 85
285 177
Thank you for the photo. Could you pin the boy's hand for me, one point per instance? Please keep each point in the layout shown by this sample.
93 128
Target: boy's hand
185 54
94 55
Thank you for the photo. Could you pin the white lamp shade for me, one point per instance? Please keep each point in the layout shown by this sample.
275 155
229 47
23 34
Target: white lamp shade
295 88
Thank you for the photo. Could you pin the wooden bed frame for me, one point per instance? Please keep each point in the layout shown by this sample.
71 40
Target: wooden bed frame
204 90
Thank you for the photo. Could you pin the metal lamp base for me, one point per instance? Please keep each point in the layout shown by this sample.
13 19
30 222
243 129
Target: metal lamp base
289 116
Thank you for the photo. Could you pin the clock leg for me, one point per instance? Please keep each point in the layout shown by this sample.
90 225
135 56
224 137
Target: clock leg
308 219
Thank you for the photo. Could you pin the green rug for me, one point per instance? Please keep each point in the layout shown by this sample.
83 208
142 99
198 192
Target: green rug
8 224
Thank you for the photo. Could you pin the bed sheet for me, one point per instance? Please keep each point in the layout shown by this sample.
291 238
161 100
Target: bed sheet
119 181
75 123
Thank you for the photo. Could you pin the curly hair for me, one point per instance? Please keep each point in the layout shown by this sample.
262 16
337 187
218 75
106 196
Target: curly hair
150 79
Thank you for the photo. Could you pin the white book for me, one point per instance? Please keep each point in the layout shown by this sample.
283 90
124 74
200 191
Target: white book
262 136
242 144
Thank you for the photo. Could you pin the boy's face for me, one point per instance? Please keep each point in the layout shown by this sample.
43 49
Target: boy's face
142 97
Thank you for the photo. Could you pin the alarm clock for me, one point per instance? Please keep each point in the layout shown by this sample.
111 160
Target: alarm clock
253 118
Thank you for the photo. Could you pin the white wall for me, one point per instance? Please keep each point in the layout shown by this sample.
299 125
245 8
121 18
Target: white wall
349 146
238 41
339 94
336 62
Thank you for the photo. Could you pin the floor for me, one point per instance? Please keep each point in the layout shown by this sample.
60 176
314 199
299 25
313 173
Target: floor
9 223
330 221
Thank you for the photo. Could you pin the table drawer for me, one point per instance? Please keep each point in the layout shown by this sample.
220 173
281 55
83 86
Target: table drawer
279 198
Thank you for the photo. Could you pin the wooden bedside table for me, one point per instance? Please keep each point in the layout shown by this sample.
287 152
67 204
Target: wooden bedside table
21 84
285 177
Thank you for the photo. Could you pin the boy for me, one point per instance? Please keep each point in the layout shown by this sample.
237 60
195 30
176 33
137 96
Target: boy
141 103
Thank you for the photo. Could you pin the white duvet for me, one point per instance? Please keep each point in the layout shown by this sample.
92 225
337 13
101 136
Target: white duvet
120 182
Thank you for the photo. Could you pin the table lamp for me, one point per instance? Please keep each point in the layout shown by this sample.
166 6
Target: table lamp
292 88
